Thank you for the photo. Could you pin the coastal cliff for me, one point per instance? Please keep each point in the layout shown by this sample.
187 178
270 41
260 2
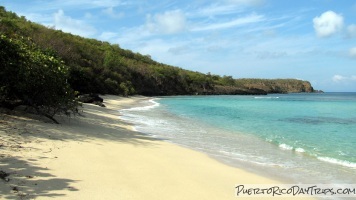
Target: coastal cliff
277 85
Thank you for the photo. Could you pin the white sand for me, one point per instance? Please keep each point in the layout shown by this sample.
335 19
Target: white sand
99 157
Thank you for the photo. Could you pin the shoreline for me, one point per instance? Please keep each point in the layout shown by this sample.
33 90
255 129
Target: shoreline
99 156
248 167
274 159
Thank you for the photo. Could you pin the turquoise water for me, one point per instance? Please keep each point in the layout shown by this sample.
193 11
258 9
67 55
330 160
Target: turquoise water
295 137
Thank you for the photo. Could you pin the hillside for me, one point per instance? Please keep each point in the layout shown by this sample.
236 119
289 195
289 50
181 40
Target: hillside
100 67
277 85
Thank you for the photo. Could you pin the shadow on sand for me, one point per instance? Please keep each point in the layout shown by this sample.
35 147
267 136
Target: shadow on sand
25 180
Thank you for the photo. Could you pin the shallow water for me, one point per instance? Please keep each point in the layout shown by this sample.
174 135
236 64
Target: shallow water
299 138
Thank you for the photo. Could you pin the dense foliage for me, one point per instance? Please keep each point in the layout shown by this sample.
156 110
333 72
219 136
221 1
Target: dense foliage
100 67
35 78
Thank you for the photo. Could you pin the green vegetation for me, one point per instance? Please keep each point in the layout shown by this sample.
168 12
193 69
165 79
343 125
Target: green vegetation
276 85
42 67
35 78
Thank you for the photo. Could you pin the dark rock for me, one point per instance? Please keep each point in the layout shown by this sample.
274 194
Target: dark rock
15 189
4 175
99 103
11 104
90 98
318 91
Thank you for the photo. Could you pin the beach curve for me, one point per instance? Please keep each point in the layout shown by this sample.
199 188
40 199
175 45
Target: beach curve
98 156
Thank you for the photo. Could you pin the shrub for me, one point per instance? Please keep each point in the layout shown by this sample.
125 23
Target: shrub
36 78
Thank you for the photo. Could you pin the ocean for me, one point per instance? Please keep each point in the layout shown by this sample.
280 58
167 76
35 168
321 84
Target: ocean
296 138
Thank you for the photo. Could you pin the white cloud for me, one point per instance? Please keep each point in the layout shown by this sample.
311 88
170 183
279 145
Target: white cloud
179 50
169 22
215 10
71 5
351 31
89 16
107 36
111 3
111 12
45 19
270 54
247 2
74 26
85 4
130 38
340 78
352 52
328 24
237 22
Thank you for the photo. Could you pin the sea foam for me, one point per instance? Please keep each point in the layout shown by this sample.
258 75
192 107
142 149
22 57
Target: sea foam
300 150
285 147
152 101
338 162
266 97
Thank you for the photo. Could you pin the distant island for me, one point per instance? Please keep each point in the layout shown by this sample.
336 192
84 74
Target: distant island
47 69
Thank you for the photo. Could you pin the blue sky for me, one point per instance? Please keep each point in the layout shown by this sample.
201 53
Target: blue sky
312 40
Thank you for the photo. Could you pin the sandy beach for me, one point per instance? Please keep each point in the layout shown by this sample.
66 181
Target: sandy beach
98 156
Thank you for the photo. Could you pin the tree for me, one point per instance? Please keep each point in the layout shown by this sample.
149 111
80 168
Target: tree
35 78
